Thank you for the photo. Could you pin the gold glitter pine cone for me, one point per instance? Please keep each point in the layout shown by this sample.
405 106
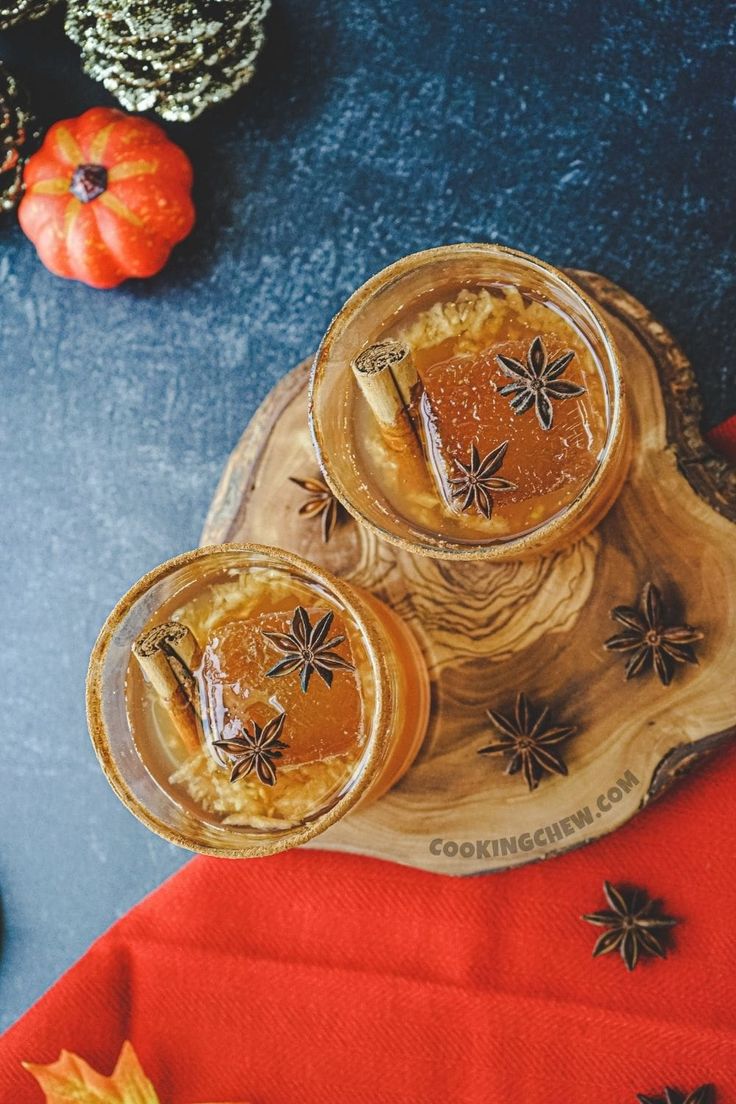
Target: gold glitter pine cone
17 129
10 14
176 57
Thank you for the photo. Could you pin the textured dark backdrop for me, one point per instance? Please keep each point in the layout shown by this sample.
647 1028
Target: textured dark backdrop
596 135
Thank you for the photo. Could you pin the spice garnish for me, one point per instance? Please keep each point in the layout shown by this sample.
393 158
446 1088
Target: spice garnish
701 1095
652 642
531 741
479 479
382 355
321 503
168 654
306 649
538 381
256 750
171 641
634 925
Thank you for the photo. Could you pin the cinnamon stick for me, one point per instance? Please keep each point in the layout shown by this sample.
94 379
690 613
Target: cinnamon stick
386 375
168 655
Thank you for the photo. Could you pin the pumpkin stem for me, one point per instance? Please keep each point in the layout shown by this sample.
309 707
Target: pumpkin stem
88 182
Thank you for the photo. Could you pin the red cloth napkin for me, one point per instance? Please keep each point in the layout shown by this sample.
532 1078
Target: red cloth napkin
723 438
312 977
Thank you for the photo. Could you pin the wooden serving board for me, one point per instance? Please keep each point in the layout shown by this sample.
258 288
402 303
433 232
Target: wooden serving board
488 630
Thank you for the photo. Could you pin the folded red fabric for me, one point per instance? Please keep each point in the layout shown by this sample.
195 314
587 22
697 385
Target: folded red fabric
723 438
313 976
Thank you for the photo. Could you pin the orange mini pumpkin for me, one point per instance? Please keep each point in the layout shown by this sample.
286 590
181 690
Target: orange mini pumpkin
107 196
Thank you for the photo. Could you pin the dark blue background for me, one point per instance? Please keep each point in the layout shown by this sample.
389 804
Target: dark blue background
596 135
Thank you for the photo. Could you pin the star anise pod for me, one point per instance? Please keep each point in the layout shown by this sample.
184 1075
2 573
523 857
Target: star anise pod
479 479
701 1095
321 503
306 649
634 925
530 741
253 751
650 640
538 381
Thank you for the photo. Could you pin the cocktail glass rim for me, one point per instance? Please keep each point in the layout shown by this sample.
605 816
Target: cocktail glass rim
437 546
380 722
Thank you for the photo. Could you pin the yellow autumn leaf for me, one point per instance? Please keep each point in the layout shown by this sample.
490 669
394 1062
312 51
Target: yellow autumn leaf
71 1079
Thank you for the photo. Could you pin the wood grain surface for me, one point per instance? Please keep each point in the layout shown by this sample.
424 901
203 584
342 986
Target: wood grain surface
488 630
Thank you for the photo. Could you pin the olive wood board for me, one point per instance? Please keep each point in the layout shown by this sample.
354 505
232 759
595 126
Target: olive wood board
490 629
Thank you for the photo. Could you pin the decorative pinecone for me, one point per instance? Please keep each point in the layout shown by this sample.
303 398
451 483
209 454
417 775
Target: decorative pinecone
175 57
17 129
23 9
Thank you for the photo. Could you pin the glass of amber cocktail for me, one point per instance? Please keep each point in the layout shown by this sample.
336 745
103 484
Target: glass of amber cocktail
467 402
241 700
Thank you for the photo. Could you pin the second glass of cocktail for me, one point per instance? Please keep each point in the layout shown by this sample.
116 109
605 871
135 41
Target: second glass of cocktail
241 700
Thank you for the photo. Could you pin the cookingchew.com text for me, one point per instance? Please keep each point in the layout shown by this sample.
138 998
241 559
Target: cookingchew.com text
541 839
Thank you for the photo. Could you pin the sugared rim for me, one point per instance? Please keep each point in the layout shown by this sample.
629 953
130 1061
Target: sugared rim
440 547
382 707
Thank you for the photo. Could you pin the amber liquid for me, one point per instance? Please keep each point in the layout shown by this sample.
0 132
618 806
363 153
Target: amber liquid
456 340
325 728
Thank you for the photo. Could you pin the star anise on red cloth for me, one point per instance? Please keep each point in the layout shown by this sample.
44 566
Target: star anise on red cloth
256 751
537 382
651 641
479 479
321 503
705 1094
307 650
635 926
531 740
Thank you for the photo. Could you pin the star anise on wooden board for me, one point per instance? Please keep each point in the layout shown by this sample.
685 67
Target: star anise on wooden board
321 503
531 741
307 650
702 1095
652 642
479 479
538 382
257 750
635 926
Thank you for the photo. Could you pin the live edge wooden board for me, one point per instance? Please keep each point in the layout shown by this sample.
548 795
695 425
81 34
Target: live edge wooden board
488 630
